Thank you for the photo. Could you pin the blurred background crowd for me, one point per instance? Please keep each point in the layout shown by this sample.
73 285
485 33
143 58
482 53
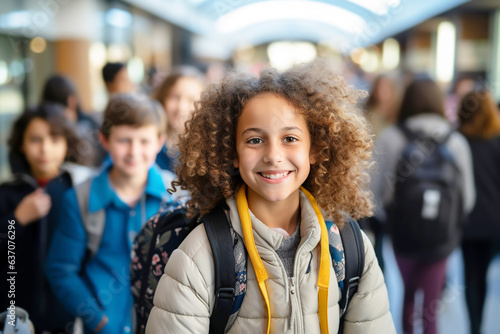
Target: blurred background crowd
70 57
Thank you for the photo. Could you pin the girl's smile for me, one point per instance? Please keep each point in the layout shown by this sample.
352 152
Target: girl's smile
274 176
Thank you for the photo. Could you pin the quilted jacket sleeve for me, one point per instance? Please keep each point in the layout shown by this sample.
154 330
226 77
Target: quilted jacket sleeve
184 294
368 311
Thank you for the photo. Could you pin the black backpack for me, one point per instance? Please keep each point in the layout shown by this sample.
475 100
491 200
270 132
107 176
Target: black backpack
166 230
426 213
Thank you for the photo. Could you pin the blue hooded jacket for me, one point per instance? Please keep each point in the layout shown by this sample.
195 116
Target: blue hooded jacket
92 288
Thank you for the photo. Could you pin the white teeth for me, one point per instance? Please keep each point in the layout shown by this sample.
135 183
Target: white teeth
274 176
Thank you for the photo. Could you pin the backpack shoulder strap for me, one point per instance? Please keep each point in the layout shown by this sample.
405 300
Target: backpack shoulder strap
92 221
221 242
354 252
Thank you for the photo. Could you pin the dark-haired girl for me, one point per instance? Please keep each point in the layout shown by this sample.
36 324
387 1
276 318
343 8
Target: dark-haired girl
42 140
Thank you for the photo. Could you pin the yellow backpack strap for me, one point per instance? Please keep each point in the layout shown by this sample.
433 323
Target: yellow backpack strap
324 266
260 271
246 225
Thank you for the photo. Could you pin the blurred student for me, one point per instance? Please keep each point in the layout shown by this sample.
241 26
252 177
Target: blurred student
177 94
479 122
462 85
60 89
423 188
42 142
381 112
116 78
127 192
382 104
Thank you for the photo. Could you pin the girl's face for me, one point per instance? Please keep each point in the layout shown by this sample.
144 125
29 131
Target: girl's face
273 146
180 101
132 149
45 152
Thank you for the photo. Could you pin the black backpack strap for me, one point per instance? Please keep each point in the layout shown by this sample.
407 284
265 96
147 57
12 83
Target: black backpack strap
221 242
354 252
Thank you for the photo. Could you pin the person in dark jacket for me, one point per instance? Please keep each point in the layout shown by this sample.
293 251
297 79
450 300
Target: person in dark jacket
38 148
60 89
479 119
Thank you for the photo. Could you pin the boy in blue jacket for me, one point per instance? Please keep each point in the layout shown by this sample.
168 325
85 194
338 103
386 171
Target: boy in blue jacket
94 285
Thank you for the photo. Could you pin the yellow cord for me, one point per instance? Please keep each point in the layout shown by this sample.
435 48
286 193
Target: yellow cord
258 266
260 271
324 266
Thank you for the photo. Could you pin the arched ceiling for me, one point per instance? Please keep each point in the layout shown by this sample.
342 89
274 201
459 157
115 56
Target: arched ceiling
346 24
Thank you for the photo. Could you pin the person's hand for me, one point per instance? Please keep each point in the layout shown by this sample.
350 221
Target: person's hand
33 207
101 325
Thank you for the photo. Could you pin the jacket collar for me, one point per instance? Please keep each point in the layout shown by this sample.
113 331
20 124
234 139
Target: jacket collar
265 237
21 179
102 194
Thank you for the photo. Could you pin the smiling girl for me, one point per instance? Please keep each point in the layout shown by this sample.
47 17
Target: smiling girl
285 152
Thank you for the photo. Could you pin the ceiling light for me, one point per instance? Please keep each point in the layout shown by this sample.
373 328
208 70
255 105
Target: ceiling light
263 12
445 51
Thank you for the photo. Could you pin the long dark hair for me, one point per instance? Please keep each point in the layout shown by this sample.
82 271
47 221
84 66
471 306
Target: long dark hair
53 114
422 96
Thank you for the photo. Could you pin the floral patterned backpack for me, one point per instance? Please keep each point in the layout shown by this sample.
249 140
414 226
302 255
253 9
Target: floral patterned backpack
162 234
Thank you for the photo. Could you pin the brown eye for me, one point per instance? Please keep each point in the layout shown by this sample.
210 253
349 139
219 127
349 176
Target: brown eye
254 141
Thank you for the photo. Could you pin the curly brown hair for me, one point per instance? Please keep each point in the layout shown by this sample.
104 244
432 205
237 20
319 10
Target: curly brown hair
340 138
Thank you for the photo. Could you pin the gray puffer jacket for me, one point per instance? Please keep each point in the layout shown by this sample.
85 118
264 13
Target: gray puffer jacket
185 294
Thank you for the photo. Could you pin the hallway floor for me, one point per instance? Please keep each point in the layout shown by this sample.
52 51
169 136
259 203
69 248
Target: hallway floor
453 318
